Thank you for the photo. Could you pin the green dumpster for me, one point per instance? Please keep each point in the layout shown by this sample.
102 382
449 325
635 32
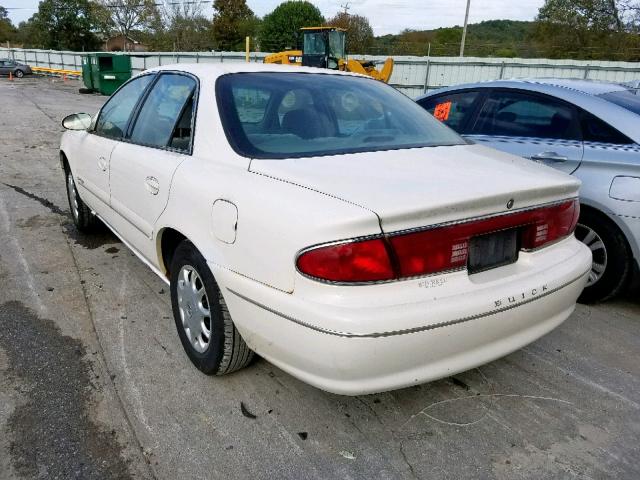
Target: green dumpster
105 72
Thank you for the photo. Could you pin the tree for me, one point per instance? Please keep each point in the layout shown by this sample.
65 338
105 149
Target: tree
281 28
359 31
586 28
178 26
233 21
7 30
126 16
61 25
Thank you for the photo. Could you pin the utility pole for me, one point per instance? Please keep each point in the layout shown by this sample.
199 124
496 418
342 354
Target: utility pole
346 8
464 30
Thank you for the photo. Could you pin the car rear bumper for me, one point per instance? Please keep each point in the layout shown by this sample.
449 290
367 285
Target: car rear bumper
339 345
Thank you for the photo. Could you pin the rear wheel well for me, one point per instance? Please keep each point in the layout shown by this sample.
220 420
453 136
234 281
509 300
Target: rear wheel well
602 216
169 241
612 256
64 163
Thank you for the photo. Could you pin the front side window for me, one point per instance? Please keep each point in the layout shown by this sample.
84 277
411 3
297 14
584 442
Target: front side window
516 114
165 110
114 116
452 109
282 115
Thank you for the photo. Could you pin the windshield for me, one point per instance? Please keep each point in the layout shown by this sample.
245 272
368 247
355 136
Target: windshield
314 44
624 98
284 115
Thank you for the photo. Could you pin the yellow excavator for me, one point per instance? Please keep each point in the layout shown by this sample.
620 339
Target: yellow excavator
324 47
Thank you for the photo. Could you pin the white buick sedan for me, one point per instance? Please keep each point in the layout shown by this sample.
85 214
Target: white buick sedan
326 222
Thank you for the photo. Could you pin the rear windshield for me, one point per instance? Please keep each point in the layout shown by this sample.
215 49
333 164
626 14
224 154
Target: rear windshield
627 99
285 115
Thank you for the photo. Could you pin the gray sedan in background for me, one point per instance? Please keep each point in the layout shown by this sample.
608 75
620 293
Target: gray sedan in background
586 128
18 70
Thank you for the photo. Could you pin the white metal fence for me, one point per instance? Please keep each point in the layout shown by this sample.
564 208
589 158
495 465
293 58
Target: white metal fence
411 75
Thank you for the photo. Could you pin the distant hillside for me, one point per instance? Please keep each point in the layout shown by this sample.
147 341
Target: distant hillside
503 38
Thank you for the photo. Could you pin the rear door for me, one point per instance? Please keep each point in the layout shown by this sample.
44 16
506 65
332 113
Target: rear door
142 167
454 109
532 125
4 69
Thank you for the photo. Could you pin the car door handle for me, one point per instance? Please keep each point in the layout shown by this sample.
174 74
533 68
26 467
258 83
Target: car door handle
549 156
152 185
102 164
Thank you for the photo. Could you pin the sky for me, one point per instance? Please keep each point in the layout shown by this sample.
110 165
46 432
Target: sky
385 16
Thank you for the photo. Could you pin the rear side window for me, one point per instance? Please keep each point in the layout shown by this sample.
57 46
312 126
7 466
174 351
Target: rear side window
114 116
451 109
166 112
292 115
595 130
516 114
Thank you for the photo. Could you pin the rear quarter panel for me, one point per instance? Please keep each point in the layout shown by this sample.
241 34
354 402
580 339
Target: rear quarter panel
275 219
601 164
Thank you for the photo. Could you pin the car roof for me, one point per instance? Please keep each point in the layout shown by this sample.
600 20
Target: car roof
588 87
213 70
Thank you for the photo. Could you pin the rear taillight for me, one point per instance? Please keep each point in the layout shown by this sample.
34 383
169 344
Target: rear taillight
550 224
432 250
357 261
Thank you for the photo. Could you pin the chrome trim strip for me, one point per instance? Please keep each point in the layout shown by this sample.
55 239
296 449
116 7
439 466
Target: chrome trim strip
135 252
482 217
408 330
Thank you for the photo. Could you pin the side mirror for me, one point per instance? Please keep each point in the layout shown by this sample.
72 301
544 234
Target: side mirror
77 121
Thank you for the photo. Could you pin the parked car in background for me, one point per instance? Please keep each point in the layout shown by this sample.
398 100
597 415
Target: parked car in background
18 70
586 128
326 222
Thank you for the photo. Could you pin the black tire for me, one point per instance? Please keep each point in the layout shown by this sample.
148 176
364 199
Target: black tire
226 351
18 73
82 217
616 256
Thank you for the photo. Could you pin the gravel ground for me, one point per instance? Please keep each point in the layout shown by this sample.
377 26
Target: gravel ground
94 383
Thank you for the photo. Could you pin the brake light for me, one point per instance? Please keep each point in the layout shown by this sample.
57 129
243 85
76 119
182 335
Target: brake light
433 250
551 224
358 261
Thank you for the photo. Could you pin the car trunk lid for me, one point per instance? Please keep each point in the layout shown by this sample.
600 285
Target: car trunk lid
413 188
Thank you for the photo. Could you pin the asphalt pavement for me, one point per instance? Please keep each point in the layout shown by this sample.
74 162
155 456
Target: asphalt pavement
94 383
